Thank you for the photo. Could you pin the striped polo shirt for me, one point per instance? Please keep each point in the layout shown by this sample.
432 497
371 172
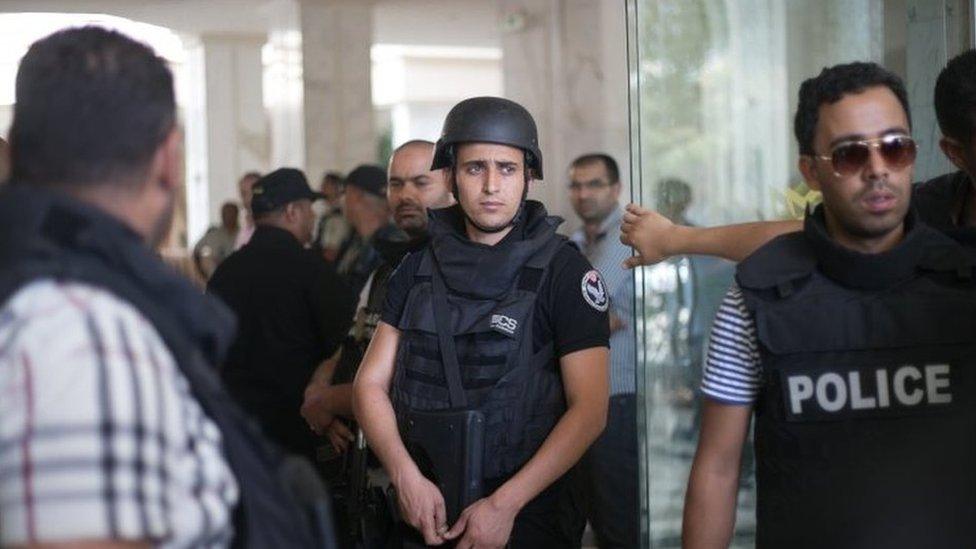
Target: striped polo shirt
607 255
732 367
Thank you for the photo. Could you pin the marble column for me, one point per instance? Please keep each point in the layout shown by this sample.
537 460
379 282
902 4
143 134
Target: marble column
226 128
927 51
566 61
338 108
284 85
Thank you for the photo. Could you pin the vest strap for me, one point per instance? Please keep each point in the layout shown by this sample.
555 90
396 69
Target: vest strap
445 337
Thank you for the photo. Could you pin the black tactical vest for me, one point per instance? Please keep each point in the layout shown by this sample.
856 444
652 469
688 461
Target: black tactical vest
368 317
46 235
865 431
491 292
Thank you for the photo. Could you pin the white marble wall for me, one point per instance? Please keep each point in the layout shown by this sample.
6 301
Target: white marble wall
567 64
283 86
338 110
236 126
926 55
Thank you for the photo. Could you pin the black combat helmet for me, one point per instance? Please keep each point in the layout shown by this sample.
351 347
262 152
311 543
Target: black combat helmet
489 120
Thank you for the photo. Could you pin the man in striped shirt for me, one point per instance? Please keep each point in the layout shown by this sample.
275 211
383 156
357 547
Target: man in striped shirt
608 474
815 337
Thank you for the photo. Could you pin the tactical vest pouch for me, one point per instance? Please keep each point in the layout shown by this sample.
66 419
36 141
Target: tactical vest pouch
448 447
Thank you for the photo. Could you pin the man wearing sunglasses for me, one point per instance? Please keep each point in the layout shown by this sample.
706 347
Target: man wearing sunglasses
851 342
947 202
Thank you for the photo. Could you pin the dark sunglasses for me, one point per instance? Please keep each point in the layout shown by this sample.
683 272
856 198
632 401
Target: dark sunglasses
898 151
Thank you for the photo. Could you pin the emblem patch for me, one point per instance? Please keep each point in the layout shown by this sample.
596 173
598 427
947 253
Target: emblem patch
594 292
504 324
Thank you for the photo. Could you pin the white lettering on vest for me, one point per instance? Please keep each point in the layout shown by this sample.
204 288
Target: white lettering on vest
881 376
504 324
840 392
936 378
859 402
901 386
801 388
910 385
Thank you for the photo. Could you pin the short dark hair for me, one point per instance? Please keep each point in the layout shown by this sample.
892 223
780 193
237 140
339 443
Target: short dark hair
334 177
414 142
955 97
613 171
92 105
831 85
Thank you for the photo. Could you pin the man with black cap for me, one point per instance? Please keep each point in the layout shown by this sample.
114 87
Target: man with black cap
494 340
368 213
292 309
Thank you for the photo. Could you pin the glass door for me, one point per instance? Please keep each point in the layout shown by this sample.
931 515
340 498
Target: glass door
713 86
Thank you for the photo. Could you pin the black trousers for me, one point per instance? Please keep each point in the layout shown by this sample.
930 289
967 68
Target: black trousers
606 482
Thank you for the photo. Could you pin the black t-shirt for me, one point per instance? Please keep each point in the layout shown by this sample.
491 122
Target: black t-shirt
938 199
563 315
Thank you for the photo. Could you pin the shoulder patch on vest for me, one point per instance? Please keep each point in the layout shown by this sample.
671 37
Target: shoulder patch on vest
595 291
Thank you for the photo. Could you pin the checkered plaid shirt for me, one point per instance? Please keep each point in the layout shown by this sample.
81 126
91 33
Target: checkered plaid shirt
100 437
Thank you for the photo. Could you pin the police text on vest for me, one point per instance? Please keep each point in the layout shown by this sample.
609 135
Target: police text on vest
904 386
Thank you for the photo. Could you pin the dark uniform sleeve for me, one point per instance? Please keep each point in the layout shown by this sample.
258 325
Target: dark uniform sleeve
398 288
577 304
935 200
333 304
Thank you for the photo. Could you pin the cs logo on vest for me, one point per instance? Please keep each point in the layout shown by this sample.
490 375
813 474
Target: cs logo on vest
832 394
504 324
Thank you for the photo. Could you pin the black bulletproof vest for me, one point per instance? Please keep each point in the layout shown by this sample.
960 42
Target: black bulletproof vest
46 235
865 432
368 317
491 294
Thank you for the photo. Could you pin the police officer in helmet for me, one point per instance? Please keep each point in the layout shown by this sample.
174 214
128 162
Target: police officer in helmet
851 343
497 316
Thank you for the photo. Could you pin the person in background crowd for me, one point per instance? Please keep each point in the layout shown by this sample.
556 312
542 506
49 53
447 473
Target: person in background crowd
244 186
114 432
674 198
369 216
413 189
218 242
292 309
608 476
332 232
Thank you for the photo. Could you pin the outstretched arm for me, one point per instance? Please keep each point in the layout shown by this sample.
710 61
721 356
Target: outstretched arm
655 238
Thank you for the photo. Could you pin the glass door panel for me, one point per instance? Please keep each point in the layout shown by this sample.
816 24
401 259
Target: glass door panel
713 86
